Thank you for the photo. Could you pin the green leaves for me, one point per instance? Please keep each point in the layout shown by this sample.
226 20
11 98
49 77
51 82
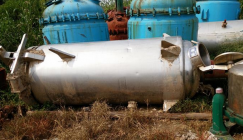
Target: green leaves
111 4
17 18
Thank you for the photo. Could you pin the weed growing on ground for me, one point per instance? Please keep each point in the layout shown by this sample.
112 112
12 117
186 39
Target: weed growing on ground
199 103
97 124
36 126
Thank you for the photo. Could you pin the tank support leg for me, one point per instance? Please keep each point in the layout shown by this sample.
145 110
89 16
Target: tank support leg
168 104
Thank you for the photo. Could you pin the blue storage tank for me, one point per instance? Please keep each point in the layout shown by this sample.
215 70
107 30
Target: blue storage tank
152 18
218 10
70 21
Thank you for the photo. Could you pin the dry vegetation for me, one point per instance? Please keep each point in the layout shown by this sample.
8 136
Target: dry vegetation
98 124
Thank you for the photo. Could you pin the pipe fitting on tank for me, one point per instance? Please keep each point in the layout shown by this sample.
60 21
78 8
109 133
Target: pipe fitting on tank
218 127
199 55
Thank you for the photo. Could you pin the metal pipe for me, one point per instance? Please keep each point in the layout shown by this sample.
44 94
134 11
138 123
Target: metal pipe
119 6
213 35
218 127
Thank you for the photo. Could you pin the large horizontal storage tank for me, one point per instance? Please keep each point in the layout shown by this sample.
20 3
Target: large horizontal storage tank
71 21
154 69
152 18
214 36
218 10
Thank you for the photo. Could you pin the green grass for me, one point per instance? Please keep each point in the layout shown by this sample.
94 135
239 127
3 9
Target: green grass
17 18
200 103
241 14
110 4
228 47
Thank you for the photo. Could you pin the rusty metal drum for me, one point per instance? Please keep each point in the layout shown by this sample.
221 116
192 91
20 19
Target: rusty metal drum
117 25
235 85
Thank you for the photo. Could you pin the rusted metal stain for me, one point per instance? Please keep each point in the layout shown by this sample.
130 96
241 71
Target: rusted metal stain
235 89
214 74
117 25
3 82
169 52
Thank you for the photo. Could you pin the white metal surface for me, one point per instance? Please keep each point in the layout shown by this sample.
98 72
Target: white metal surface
212 34
118 71
141 70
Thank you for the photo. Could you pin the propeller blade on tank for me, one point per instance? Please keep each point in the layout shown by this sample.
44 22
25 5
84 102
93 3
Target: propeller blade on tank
61 54
21 48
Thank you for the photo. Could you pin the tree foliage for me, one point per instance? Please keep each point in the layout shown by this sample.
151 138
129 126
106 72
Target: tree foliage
111 4
17 18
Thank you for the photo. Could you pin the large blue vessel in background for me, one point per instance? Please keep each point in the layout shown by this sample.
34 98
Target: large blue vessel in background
71 21
153 18
218 10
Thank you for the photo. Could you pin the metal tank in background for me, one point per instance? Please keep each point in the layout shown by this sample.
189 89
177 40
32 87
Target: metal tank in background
218 10
231 107
213 35
158 70
152 18
71 21
117 22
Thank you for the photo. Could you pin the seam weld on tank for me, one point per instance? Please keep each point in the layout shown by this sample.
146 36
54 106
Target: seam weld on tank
152 18
154 69
71 21
117 22
218 10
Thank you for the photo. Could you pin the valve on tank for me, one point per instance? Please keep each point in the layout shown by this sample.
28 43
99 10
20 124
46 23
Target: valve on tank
117 22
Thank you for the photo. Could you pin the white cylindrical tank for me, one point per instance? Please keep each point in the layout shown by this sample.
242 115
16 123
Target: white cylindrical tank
140 70
213 35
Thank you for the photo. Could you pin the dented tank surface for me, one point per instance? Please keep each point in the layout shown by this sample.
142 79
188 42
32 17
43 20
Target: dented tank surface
218 10
152 18
117 25
213 35
3 82
71 21
155 69
235 97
